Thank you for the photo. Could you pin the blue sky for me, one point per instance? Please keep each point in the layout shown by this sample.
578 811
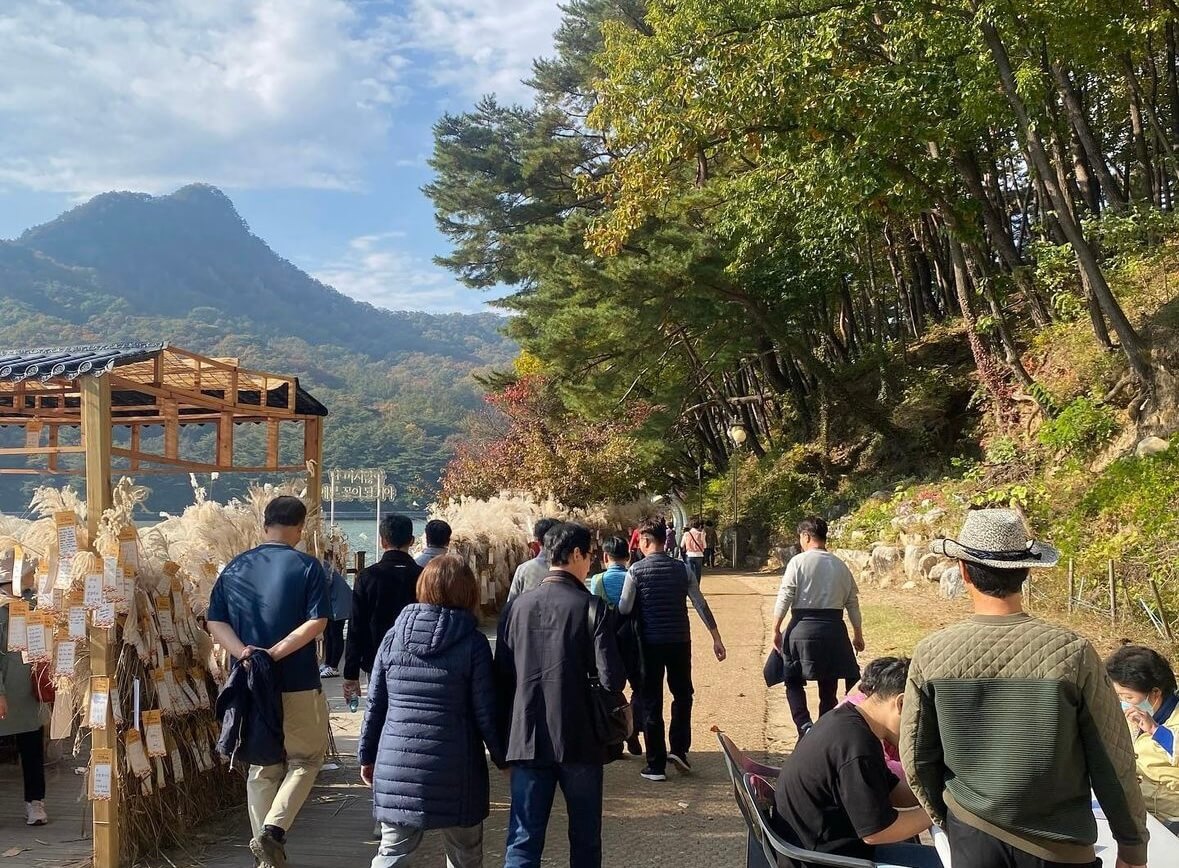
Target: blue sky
313 115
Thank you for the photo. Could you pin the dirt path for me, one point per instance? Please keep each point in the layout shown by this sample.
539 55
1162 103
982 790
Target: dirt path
688 821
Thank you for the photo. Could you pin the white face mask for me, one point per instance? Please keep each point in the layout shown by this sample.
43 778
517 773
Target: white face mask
1143 706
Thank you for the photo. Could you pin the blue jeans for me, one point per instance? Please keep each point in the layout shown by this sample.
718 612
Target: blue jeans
907 855
533 790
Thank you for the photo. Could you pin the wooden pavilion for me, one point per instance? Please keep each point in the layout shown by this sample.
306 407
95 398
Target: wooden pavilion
98 389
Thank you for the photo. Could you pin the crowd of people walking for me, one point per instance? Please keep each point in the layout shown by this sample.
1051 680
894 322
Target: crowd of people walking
986 713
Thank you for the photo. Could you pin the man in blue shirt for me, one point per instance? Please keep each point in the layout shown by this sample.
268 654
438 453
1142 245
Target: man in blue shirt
273 599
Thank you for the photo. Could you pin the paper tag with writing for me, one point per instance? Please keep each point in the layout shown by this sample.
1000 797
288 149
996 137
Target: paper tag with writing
161 780
63 574
197 674
153 728
77 621
61 722
163 690
136 755
112 579
18 570
129 547
104 616
67 533
123 603
65 655
164 614
102 763
37 638
177 765
92 593
100 694
116 706
18 624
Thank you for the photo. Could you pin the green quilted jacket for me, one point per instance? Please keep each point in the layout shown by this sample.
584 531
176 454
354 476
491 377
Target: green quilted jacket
1011 723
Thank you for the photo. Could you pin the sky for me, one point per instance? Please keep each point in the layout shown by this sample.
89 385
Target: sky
314 116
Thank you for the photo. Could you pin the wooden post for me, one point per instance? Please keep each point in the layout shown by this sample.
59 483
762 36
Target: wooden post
96 436
313 458
1158 601
225 441
135 441
171 420
1113 594
51 461
1071 590
272 443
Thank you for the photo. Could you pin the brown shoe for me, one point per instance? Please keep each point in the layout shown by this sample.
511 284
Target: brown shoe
268 852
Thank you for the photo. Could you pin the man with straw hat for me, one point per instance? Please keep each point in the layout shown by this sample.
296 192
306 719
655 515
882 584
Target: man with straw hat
1010 722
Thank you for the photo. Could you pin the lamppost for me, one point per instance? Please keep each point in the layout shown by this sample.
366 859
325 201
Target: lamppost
737 434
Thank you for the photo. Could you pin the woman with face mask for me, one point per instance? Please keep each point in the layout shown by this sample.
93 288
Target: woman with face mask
1145 683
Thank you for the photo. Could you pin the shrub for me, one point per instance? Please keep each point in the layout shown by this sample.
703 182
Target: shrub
1082 426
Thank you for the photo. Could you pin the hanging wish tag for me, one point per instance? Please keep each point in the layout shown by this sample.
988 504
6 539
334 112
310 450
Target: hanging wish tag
67 533
129 548
18 626
136 755
65 655
100 689
112 579
18 570
164 614
153 729
163 694
92 591
77 621
104 616
177 765
101 773
38 638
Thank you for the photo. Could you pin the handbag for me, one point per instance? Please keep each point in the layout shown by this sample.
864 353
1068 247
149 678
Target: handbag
41 678
610 713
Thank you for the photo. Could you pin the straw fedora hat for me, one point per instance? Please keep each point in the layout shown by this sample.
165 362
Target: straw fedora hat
997 538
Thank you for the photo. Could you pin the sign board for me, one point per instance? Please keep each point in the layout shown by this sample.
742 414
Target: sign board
357 485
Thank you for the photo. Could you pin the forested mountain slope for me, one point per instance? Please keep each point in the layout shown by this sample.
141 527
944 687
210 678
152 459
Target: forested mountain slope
185 268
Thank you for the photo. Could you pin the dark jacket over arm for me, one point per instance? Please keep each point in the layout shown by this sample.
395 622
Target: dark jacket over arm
544 655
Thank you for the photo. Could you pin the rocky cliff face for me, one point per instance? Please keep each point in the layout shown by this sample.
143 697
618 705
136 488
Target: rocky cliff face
904 558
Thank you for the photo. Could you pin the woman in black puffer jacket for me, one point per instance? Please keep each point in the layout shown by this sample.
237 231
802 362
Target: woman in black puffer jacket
431 709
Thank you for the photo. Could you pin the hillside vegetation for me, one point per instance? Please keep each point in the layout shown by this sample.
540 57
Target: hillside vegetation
920 251
186 269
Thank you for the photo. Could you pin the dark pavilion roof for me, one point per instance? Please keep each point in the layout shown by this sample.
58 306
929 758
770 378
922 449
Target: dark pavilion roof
70 364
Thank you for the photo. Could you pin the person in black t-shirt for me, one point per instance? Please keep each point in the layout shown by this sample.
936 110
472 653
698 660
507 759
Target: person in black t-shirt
835 794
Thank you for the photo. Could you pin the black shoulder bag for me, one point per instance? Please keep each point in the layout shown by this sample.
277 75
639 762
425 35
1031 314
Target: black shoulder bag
610 713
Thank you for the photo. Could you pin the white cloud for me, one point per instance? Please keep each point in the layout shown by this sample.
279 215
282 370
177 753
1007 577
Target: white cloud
376 269
128 94
484 46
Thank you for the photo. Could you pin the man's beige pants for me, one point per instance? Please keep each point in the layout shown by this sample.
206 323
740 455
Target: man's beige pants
275 793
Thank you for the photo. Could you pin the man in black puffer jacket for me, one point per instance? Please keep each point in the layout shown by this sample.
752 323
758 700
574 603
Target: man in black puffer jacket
662 587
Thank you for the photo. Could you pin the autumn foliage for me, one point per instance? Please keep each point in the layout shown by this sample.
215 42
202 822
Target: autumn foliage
525 440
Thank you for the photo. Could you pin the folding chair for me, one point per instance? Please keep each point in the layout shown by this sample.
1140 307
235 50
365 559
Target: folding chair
754 791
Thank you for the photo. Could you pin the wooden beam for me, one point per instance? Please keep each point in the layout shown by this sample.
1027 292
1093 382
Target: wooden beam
197 466
272 442
196 399
225 440
96 436
42 450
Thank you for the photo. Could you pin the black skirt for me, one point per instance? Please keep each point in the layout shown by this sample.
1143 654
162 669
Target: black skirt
816 646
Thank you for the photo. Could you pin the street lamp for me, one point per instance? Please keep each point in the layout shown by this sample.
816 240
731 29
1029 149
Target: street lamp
737 434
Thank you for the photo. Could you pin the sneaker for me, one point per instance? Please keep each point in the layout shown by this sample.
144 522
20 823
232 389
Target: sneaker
680 762
268 852
328 672
633 747
650 774
35 814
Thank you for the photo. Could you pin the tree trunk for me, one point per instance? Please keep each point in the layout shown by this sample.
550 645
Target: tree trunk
988 369
1079 121
1138 136
1132 344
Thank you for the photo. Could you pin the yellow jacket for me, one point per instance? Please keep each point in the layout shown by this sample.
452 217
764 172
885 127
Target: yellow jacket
1158 768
